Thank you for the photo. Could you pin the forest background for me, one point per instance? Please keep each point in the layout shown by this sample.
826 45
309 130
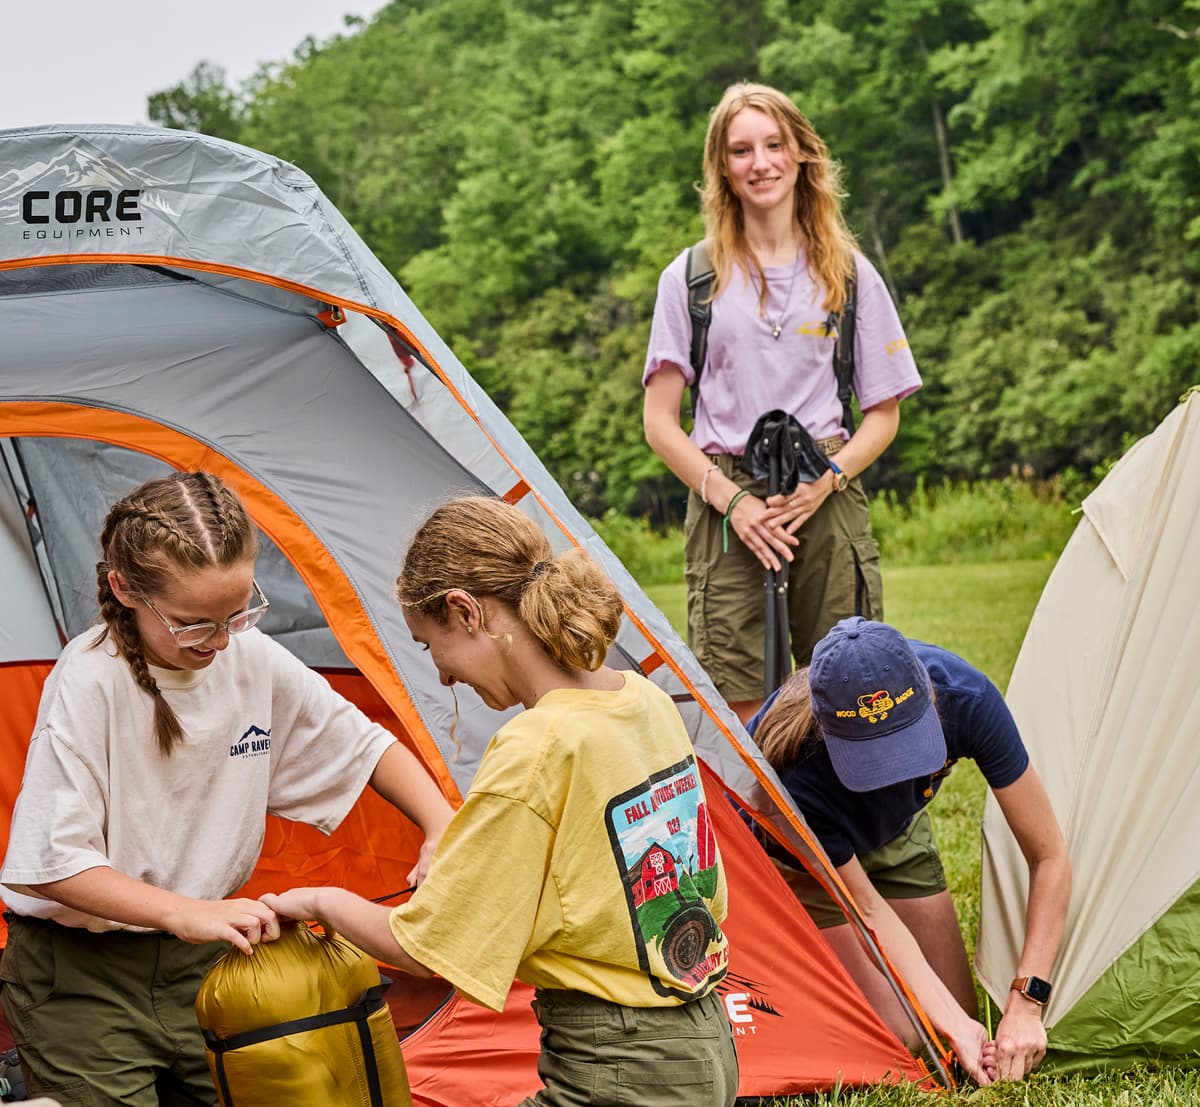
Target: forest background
1024 173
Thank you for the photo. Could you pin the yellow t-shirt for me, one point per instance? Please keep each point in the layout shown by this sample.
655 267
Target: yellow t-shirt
583 858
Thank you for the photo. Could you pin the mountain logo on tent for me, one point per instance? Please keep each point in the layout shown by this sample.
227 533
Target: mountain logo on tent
80 187
253 743
744 998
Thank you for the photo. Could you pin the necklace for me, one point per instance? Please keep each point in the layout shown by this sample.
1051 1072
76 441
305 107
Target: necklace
776 324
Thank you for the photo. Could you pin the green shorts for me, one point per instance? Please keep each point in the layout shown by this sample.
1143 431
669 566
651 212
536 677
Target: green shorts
834 574
907 867
107 1019
594 1051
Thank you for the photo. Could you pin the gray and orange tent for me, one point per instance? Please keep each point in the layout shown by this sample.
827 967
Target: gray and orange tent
169 300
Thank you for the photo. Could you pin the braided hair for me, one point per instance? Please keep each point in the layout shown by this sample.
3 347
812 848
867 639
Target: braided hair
173 524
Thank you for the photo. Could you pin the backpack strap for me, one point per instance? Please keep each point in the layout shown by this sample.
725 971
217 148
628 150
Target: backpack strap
700 277
843 324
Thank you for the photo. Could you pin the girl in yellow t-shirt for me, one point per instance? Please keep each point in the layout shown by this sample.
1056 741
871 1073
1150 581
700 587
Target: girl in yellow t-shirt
583 860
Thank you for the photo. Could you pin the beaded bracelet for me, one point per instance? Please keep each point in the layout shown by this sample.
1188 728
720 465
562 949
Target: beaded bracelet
728 512
704 482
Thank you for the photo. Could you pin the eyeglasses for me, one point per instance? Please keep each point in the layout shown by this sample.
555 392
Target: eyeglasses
196 634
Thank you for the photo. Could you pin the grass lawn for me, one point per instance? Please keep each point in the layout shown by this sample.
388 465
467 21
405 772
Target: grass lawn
979 611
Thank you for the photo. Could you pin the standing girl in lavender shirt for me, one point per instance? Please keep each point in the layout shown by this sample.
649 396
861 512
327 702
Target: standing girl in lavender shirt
782 255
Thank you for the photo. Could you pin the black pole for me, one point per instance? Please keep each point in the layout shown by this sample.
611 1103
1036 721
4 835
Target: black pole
782 454
776 637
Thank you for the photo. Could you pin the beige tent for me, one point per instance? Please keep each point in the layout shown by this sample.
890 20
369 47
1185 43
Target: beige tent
1106 691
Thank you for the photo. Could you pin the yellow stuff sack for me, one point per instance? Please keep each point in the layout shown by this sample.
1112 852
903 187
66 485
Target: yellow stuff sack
304 1023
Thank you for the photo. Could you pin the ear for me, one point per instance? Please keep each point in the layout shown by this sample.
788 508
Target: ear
463 609
118 585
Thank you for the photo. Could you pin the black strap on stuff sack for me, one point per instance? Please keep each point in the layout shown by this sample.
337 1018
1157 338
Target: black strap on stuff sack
368 1003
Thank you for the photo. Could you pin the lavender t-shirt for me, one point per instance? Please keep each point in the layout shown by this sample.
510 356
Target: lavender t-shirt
749 372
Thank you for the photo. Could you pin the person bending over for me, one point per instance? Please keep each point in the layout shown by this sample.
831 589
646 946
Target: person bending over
862 739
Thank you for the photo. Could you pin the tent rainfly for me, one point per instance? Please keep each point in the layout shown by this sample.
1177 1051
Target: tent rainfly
1105 693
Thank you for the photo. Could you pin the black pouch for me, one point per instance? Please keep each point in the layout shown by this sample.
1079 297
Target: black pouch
782 453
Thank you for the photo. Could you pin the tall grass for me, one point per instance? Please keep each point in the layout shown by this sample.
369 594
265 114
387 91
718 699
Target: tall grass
999 520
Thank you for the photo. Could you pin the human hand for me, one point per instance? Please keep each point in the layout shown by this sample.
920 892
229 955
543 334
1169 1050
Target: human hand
1020 1039
792 511
759 531
421 869
241 922
988 1060
975 1053
296 903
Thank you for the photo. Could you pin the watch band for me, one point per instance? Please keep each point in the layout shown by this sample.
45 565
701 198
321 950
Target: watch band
840 479
1033 988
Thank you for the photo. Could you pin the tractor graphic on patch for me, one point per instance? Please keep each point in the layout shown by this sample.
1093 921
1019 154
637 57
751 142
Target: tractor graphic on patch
666 852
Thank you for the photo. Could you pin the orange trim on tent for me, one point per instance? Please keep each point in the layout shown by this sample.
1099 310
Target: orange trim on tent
241 272
331 589
650 663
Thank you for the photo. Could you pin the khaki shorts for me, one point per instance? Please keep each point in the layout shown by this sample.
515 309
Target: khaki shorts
107 1019
834 574
907 867
594 1051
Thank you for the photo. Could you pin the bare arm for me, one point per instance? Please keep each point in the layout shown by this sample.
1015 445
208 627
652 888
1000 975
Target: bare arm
109 894
402 780
966 1035
750 521
341 912
1021 1037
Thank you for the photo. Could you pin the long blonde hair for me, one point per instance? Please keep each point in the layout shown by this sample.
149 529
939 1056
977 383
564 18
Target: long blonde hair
829 244
486 547
167 526
789 723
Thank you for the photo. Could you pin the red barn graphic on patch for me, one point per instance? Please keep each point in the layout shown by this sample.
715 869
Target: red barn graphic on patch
656 875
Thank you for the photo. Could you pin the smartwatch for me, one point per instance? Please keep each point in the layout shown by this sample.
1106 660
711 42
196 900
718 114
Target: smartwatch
1034 988
840 480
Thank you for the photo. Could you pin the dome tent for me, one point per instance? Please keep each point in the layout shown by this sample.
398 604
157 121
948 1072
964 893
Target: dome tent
173 300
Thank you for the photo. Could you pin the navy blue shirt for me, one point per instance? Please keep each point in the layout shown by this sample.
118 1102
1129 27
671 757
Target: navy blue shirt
977 724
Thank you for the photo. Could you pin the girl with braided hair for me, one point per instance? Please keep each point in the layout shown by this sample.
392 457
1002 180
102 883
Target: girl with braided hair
162 740
582 860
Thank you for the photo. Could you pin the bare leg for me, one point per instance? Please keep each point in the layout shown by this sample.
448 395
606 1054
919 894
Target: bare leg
933 923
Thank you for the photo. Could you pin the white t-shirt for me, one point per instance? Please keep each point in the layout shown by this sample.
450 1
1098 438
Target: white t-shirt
263 733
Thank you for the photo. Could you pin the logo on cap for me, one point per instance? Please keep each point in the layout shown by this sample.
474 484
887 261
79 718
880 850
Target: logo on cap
875 706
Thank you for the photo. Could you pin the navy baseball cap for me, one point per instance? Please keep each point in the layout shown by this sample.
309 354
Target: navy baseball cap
871 696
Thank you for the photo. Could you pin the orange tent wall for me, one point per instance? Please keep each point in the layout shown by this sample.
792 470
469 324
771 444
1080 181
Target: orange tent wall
800 1023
